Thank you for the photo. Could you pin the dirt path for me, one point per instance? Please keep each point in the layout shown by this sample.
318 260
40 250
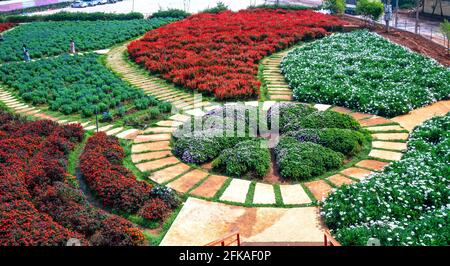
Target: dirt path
410 40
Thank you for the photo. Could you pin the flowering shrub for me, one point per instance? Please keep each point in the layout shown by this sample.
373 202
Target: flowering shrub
6 26
364 71
245 157
73 84
116 186
154 210
217 54
406 204
312 141
37 206
45 39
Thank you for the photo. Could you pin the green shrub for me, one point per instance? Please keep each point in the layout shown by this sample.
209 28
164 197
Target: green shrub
372 9
153 113
73 16
405 205
335 6
220 7
329 119
300 161
164 107
171 13
245 158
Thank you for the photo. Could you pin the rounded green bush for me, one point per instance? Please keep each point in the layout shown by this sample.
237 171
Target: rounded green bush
244 158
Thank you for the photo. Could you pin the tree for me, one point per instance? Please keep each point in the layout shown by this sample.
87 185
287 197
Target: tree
445 28
335 6
370 9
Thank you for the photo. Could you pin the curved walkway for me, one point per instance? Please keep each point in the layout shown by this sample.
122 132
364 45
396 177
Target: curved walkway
154 86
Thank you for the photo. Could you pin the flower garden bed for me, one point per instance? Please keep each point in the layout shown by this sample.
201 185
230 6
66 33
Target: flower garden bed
45 39
217 54
407 203
6 26
101 164
39 205
76 84
311 143
363 71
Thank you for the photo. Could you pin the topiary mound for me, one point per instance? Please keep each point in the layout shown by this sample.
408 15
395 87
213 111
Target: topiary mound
312 142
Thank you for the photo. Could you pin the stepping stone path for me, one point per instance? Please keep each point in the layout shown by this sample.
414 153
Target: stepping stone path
149 84
277 87
18 107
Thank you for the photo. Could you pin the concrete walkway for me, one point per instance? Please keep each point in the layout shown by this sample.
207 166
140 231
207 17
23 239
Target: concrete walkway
416 117
201 222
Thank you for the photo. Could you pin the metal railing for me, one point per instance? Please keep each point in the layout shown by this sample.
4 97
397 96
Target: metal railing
228 240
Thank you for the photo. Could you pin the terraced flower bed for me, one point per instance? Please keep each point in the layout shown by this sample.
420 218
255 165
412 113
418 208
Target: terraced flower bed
311 142
6 26
407 203
101 164
78 84
45 39
365 72
217 54
39 203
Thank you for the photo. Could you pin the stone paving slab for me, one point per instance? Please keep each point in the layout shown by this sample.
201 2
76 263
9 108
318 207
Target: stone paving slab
210 186
386 155
169 123
200 222
322 107
294 194
339 180
390 136
156 164
152 146
114 131
389 145
418 116
188 180
264 194
385 128
159 130
355 172
281 97
375 120
341 110
236 191
359 116
138 157
319 189
169 173
105 128
128 134
180 117
153 137
195 112
372 164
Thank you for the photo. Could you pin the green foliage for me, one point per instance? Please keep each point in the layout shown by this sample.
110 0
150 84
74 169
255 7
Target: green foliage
445 28
364 71
45 39
406 204
335 6
73 16
372 9
171 13
72 84
303 160
345 141
220 7
246 158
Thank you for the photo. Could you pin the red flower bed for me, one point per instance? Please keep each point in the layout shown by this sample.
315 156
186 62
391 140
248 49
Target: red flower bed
217 54
38 206
116 186
6 26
